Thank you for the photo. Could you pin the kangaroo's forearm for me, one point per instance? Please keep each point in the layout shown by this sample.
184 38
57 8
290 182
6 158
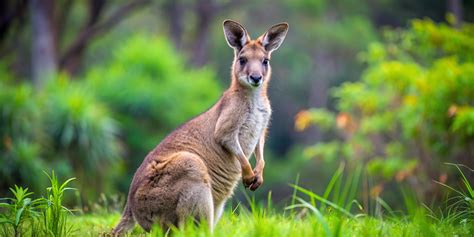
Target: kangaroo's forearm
226 134
260 164
230 143
260 161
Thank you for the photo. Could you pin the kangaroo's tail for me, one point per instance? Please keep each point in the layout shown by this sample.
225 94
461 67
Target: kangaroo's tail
126 222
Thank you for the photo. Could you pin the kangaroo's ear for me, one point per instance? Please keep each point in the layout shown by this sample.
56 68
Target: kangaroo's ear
273 38
235 34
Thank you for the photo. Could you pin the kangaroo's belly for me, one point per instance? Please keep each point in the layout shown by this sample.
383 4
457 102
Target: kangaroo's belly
252 129
225 175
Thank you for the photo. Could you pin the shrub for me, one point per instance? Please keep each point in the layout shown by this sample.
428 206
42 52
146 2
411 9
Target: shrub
411 111
22 136
64 126
83 134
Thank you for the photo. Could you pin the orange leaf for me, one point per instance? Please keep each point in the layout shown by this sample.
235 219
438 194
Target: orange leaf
302 120
376 190
453 109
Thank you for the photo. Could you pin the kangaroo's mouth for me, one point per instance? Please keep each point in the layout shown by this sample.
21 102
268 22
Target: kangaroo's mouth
246 81
255 84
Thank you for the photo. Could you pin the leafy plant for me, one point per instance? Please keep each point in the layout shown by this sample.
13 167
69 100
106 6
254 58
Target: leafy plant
55 214
460 206
37 217
19 210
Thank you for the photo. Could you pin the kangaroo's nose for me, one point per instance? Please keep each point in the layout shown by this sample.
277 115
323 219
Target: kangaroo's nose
255 79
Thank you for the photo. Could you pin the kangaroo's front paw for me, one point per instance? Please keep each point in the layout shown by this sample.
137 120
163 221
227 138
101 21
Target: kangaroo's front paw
248 180
258 180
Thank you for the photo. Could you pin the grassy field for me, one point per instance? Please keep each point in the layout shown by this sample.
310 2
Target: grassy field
303 219
308 214
300 224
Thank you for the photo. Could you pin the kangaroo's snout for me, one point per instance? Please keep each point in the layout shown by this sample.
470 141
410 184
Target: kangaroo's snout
255 79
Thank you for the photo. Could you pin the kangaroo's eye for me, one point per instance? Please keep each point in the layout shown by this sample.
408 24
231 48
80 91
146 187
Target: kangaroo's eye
265 62
242 61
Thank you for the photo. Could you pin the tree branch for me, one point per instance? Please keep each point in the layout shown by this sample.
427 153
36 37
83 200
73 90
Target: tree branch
93 30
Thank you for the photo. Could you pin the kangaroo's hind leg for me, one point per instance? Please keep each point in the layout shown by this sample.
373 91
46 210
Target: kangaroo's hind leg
196 202
177 187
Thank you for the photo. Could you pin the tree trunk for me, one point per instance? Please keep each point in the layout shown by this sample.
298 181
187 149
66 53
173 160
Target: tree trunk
205 11
71 59
455 7
324 67
174 11
43 52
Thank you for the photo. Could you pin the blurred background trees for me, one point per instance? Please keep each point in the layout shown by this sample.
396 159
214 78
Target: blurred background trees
88 88
411 112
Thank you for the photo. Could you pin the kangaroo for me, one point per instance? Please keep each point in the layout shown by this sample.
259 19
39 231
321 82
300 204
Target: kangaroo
194 170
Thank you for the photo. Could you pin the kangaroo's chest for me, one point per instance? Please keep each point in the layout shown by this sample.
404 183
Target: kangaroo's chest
255 121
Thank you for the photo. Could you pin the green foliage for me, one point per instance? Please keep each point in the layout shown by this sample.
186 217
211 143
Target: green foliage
22 159
329 214
64 126
412 110
22 215
19 112
55 215
84 135
460 204
80 126
19 210
22 135
307 220
151 92
388 168
146 77
309 7
464 121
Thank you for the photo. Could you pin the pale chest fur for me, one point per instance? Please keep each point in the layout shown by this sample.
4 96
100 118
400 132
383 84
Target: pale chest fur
255 121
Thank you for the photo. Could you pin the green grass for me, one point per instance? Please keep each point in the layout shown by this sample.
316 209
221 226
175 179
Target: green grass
334 213
277 224
330 214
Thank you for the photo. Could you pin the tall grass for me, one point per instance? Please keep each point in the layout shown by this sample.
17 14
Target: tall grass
22 215
340 193
55 214
459 207
339 196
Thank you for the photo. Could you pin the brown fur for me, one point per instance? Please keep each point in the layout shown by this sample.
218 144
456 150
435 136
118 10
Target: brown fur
195 169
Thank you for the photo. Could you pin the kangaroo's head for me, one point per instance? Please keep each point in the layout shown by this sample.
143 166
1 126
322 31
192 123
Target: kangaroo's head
251 66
